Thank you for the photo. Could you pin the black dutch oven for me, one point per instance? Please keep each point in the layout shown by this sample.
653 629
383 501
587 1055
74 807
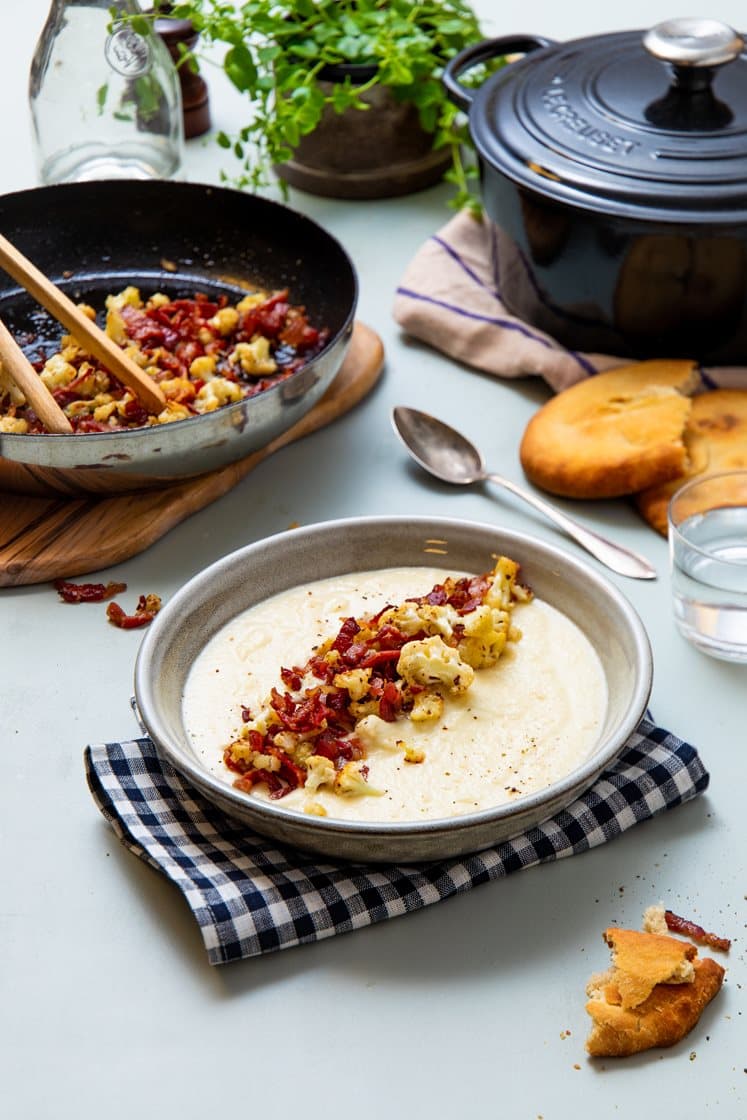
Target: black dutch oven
614 181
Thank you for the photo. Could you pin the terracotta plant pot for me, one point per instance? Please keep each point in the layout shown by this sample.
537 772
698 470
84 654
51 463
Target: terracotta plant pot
376 153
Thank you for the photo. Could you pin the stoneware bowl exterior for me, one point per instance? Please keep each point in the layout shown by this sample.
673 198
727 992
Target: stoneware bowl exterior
212 598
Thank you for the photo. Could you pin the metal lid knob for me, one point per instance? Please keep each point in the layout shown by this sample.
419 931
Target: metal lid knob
694 49
694 42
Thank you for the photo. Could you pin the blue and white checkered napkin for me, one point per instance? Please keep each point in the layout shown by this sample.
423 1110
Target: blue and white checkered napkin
251 896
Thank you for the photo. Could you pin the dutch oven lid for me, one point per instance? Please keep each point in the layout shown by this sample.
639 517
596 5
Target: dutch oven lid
647 124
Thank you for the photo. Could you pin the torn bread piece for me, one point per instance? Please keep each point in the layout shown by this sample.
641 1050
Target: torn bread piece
614 434
643 960
716 440
669 1013
652 996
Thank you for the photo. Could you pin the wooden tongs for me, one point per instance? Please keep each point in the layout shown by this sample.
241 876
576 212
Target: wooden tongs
90 336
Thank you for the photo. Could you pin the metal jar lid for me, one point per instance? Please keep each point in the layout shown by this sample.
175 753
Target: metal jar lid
640 124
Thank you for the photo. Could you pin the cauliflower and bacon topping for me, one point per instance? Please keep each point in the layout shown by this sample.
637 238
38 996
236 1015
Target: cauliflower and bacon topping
203 353
399 664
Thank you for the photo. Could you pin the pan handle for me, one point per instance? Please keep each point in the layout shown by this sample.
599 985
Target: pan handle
483 52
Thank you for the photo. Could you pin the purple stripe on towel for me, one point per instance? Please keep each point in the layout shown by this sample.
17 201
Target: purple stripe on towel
504 324
586 366
465 267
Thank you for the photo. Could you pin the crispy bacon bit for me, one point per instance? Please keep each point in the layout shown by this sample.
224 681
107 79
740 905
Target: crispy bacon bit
291 678
676 924
87 592
464 595
146 610
390 703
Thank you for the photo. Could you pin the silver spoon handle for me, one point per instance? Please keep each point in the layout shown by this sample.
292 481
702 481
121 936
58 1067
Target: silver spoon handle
614 556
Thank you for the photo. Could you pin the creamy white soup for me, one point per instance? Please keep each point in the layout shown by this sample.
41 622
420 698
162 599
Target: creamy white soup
524 722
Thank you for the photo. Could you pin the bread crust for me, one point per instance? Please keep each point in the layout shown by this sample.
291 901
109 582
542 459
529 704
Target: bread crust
614 434
716 440
643 960
665 1017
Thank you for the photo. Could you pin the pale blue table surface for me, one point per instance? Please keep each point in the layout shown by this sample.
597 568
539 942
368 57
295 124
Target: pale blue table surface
470 1008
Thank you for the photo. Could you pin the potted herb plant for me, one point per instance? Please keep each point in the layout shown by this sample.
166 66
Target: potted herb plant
345 95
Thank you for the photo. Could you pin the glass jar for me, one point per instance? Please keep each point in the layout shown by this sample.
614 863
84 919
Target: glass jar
104 95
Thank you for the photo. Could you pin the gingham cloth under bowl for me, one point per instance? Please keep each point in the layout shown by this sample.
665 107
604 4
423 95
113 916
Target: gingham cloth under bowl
251 896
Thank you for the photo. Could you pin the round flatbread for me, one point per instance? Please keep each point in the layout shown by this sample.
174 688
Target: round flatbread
614 434
715 439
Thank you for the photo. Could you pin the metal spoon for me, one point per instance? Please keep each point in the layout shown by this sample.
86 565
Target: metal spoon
450 456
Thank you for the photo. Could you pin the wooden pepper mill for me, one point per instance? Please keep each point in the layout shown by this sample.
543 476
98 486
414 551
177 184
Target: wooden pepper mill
195 105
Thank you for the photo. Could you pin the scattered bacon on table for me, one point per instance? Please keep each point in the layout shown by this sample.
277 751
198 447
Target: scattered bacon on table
146 610
87 592
696 933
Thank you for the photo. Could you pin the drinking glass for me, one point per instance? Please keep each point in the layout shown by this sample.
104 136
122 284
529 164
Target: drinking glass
708 555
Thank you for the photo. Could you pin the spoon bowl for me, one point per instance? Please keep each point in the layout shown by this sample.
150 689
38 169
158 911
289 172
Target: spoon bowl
451 457
439 448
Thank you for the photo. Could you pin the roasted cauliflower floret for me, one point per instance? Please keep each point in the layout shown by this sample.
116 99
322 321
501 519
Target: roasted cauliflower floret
204 366
426 706
87 384
486 631
320 771
172 412
412 618
225 320
177 388
57 372
429 662
242 751
351 780
128 297
355 681
373 732
87 310
102 403
217 392
115 326
254 357
250 301
158 299
135 354
504 590
13 424
104 409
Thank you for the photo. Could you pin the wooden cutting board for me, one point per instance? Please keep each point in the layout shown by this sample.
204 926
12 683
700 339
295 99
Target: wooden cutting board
45 538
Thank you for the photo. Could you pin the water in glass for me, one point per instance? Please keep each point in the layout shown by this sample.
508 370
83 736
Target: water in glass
709 581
